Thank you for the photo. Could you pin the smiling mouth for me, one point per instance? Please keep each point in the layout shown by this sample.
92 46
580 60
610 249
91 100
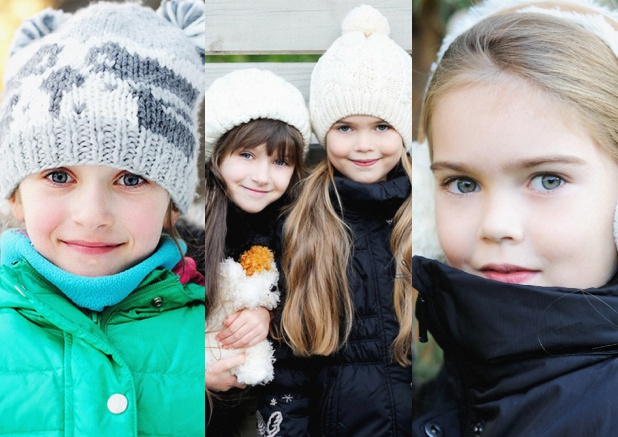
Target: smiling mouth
364 162
256 191
508 273
90 247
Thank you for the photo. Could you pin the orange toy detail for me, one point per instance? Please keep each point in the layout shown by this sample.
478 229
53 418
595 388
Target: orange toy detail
256 259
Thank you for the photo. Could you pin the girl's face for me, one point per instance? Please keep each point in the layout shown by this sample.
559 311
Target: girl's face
363 148
91 220
523 194
255 179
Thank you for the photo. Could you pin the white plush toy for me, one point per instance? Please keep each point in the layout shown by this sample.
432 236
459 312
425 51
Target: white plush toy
244 284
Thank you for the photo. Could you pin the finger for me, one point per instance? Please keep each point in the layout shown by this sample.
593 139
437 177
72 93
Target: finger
235 334
238 321
231 318
255 340
231 362
225 334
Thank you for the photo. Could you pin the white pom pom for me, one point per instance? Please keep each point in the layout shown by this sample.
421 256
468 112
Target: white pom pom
43 23
189 16
367 20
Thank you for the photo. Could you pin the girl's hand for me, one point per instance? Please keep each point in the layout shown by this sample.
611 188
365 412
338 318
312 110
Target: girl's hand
218 376
244 328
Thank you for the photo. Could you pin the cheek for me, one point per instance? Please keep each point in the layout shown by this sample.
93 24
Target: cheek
145 218
282 177
42 216
336 146
456 230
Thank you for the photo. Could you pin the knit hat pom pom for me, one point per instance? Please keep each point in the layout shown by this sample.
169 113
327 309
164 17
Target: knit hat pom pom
367 20
44 23
190 17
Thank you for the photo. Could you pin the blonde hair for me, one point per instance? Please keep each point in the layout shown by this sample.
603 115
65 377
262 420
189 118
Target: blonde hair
569 64
317 246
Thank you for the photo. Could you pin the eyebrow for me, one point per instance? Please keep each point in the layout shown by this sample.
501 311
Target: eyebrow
524 164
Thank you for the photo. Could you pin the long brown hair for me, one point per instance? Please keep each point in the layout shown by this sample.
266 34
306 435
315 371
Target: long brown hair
316 250
283 141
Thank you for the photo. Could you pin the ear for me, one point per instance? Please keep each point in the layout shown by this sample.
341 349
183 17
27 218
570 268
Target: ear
17 208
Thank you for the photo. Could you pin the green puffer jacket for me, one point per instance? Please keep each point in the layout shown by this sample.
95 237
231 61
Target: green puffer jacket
136 368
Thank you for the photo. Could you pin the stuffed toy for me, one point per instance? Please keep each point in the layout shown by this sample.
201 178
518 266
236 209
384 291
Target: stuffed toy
249 283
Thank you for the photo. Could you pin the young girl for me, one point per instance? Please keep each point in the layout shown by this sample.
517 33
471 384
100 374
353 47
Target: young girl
520 116
99 145
345 370
257 132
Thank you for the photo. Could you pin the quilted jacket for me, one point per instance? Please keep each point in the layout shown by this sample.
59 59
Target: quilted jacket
135 368
519 360
359 391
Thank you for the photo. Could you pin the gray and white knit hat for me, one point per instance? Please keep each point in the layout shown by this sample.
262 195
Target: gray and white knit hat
250 94
113 84
364 72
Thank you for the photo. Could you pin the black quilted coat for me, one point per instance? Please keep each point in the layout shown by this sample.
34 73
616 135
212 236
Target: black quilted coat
359 391
235 408
520 360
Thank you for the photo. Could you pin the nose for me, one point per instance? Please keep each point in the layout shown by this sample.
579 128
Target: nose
502 219
92 206
261 171
364 142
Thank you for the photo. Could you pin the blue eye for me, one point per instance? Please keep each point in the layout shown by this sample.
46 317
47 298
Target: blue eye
281 162
461 186
130 180
344 128
383 127
546 182
59 177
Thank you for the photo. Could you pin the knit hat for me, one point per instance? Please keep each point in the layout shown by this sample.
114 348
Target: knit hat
251 94
113 84
597 19
364 72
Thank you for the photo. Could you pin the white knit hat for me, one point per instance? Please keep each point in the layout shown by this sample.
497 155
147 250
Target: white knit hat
364 72
113 84
251 94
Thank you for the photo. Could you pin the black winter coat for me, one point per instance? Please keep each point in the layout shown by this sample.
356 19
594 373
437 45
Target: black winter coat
235 407
359 391
520 360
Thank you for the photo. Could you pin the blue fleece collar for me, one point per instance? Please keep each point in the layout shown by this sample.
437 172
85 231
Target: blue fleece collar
94 293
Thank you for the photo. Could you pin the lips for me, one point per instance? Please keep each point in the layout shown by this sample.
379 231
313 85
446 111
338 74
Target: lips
364 162
508 273
91 247
255 191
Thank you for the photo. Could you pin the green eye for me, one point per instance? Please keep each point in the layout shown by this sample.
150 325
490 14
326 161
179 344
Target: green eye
546 182
462 186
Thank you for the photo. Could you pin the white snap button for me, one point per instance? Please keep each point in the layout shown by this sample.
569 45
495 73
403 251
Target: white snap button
117 403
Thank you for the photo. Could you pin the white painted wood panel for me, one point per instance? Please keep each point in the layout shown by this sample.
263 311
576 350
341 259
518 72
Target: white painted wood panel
292 26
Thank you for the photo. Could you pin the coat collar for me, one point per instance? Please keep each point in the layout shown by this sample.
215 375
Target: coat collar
383 197
492 322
